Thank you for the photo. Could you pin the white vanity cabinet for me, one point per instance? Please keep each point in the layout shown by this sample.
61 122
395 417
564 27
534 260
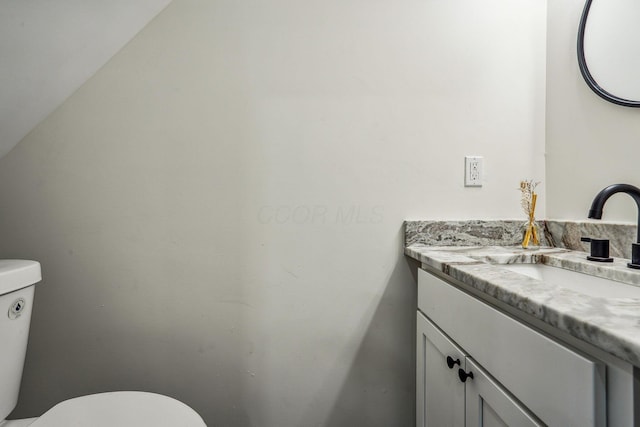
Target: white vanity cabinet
521 377
444 399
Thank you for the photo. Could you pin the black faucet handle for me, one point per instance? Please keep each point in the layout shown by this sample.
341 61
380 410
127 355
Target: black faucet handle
599 249
635 256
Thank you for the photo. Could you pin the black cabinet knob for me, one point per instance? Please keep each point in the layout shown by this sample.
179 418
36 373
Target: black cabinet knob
464 375
451 363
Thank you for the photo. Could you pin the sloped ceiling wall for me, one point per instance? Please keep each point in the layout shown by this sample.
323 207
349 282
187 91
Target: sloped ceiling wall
49 48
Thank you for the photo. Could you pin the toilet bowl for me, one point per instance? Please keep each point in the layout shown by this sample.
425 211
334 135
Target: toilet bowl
118 408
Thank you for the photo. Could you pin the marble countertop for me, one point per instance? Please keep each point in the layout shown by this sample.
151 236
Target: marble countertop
609 323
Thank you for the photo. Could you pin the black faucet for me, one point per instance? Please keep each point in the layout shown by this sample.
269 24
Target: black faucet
598 203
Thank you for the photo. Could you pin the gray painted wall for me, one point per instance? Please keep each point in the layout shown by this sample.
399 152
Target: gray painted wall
591 143
218 210
49 49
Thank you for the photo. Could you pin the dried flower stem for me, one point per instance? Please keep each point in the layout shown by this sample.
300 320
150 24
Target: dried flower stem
528 203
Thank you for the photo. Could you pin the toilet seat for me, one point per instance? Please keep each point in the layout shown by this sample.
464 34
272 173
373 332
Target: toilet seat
122 409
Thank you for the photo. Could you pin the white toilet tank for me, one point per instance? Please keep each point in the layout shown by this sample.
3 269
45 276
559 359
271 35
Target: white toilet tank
17 278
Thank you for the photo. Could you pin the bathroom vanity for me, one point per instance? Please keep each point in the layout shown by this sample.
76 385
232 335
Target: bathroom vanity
501 340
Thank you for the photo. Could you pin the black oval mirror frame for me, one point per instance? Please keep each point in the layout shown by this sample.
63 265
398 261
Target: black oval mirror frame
582 62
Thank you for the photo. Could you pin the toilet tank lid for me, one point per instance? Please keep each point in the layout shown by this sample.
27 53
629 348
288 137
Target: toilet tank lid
17 274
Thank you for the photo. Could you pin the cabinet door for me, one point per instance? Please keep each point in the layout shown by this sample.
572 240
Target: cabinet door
561 386
489 405
439 391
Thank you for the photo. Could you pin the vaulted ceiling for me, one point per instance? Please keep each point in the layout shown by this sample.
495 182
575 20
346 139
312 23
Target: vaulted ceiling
50 48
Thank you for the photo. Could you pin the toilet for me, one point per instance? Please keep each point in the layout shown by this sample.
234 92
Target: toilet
119 408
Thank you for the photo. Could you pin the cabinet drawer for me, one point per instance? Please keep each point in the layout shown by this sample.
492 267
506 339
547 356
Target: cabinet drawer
559 385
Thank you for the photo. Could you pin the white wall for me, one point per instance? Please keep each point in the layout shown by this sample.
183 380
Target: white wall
218 211
49 49
591 143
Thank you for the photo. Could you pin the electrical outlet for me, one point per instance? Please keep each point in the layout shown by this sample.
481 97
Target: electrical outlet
473 171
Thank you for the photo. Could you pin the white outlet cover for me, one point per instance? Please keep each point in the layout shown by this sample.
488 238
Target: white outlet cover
473 171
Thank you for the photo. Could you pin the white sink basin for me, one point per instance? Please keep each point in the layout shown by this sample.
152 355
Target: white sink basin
579 282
